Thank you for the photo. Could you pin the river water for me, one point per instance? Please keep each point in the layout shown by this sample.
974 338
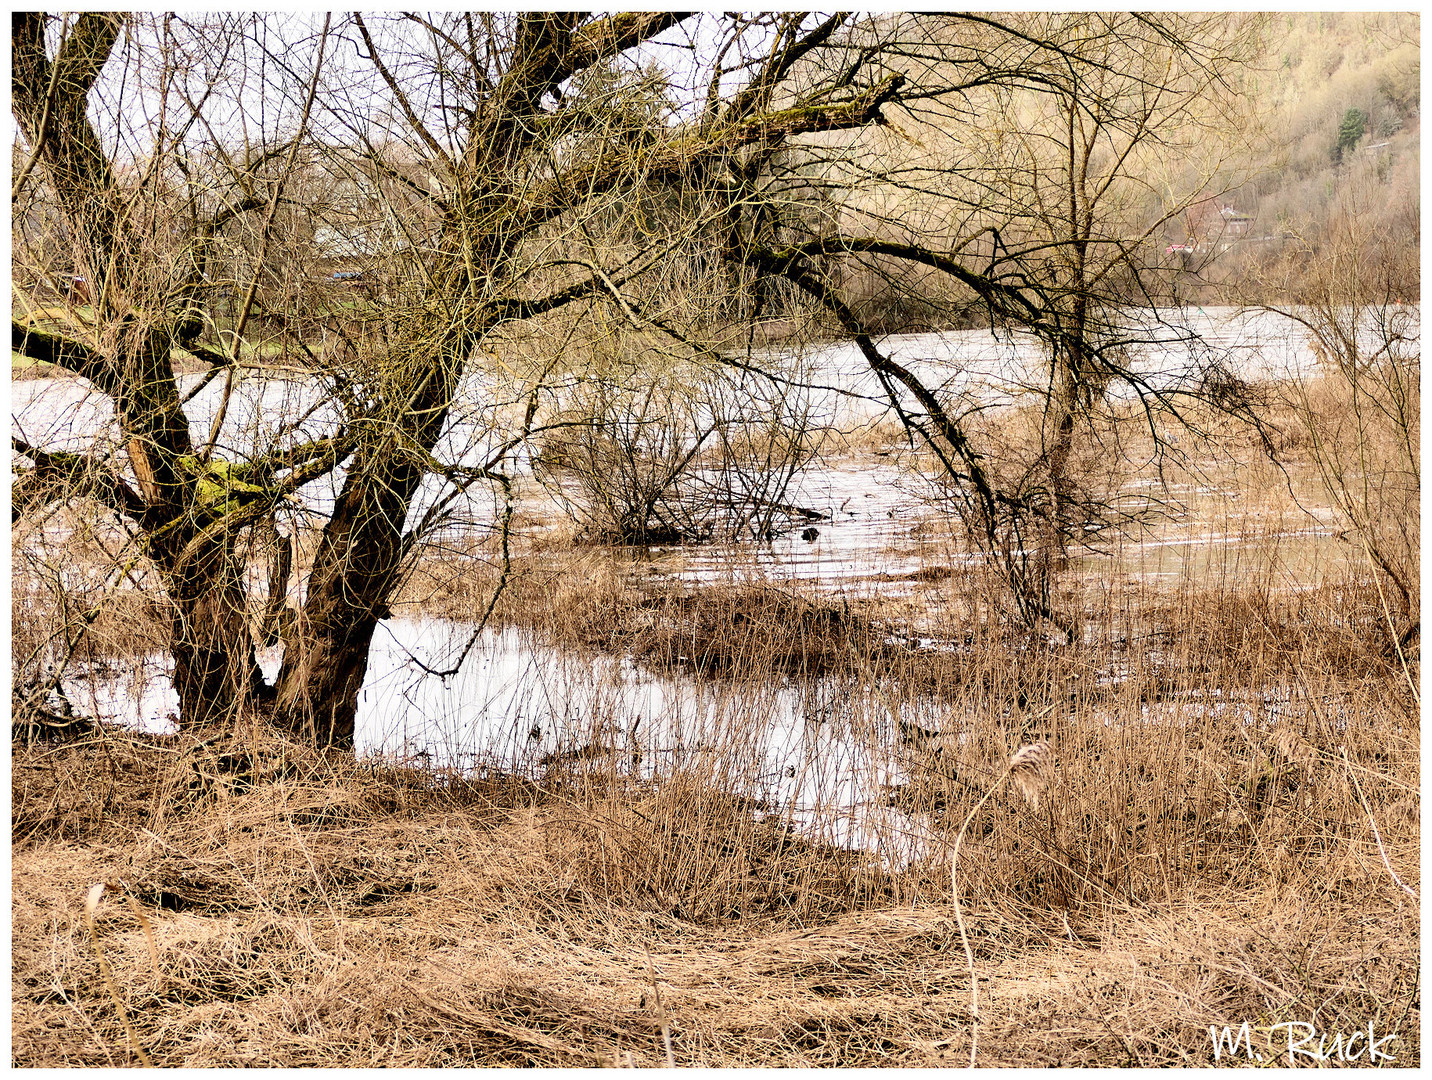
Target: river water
823 750
979 366
870 506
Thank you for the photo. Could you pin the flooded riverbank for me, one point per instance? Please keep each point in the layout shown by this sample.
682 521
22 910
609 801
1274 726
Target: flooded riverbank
829 752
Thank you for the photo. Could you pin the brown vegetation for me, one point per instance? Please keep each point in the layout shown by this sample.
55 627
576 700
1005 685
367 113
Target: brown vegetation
305 909
1229 830
1132 754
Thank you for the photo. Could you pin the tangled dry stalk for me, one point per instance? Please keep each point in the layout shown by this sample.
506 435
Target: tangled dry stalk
309 910
1225 827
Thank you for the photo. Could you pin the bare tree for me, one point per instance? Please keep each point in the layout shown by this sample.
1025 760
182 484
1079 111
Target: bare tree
486 164
686 453
117 205
1022 177
1351 286
1127 129
473 171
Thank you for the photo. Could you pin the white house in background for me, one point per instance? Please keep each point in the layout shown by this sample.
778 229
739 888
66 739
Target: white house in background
1235 225
356 227
359 241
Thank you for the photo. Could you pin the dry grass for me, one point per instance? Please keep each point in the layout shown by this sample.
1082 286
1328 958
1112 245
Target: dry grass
593 599
1225 830
310 910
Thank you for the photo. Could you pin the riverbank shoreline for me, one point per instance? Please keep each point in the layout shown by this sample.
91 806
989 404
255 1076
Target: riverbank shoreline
270 906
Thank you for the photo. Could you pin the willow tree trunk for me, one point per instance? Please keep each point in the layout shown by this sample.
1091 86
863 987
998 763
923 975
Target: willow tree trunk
358 563
130 362
215 673
1063 412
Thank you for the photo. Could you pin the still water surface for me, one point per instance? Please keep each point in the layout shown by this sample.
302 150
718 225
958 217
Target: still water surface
822 749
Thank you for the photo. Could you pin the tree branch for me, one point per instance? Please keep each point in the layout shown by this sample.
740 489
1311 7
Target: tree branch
58 474
758 93
599 41
677 159
434 147
63 352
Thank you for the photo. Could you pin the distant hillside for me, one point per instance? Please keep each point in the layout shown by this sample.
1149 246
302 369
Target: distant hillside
1347 89
1342 130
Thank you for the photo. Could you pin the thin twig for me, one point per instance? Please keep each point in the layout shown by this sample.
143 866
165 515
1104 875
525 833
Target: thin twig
1391 626
960 919
660 1010
265 236
91 904
1375 834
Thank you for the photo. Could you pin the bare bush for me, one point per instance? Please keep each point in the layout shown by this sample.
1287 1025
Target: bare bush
1358 413
687 454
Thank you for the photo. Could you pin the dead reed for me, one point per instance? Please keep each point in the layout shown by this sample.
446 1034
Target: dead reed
1226 827
308 910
